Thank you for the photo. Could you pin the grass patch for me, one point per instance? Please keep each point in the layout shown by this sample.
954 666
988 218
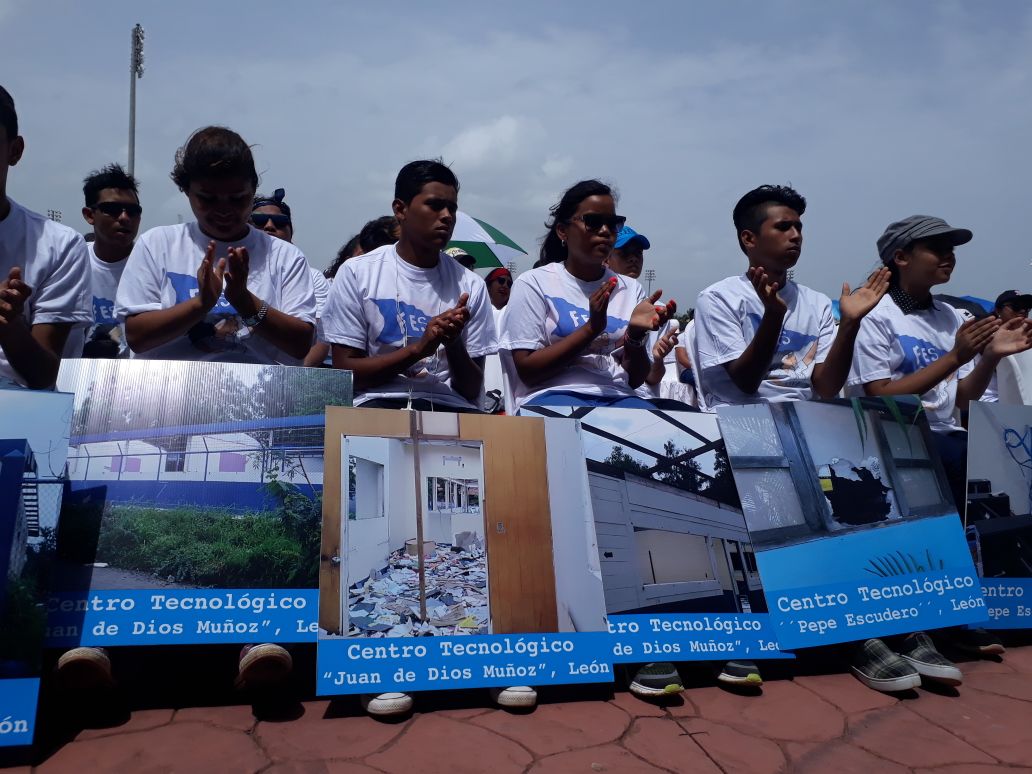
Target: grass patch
216 548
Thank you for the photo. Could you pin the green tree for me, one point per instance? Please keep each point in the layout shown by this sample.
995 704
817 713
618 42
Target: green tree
618 458
684 473
722 486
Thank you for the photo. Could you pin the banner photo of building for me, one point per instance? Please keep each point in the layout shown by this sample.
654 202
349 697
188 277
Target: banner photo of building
458 551
999 509
850 512
33 447
678 570
193 506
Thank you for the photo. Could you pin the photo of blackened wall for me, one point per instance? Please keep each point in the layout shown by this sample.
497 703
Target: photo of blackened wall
442 524
999 506
807 470
671 534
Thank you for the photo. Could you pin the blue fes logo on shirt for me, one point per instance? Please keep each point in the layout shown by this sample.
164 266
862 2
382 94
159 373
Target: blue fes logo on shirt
573 317
791 341
103 311
400 318
185 287
917 353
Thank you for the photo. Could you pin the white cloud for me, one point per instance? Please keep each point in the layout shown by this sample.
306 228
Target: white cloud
684 115
494 144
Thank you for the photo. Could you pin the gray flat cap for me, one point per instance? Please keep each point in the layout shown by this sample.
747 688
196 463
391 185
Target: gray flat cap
903 232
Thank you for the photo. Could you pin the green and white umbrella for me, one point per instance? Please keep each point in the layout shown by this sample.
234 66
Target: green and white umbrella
489 246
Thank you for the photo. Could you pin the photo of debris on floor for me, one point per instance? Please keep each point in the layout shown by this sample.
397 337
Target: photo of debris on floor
397 586
386 603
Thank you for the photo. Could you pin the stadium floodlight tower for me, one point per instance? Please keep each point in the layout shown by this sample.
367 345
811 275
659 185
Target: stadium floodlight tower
135 71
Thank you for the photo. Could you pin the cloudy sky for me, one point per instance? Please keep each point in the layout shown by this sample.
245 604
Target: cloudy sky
873 110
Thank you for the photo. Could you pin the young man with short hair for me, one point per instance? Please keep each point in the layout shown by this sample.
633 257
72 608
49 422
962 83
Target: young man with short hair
44 277
762 337
412 324
112 208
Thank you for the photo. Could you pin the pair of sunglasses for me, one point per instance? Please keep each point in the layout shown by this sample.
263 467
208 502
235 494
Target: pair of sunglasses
594 221
259 219
503 280
115 209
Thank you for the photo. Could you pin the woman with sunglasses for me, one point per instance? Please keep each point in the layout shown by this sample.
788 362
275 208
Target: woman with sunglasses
217 289
574 332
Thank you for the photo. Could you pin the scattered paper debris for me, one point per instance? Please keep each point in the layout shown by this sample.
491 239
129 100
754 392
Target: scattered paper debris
386 603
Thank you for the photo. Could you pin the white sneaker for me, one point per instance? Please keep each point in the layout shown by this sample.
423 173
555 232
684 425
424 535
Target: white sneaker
386 704
515 696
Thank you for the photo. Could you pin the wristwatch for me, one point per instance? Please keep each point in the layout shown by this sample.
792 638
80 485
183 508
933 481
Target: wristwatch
258 317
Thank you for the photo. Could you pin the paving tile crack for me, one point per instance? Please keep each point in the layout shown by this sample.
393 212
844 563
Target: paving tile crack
951 733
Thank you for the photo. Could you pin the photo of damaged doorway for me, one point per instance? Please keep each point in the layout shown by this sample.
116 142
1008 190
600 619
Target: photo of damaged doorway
392 587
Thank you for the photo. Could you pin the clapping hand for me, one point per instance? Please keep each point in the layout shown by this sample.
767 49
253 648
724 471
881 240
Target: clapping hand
445 327
237 266
209 278
767 290
598 306
854 305
647 316
973 336
13 295
1010 338
665 344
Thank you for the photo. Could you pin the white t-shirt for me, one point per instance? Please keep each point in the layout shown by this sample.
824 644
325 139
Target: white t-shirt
992 392
322 289
104 279
54 263
891 345
379 303
727 316
162 272
547 304
493 380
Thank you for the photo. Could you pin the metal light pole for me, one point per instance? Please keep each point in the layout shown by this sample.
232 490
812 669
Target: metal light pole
650 277
135 71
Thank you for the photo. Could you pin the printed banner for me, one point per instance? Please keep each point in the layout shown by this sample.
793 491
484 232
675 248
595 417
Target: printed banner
33 448
360 665
678 571
106 618
852 519
999 510
193 503
450 532
669 637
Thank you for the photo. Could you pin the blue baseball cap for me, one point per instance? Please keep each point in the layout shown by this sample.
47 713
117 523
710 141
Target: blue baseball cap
627 234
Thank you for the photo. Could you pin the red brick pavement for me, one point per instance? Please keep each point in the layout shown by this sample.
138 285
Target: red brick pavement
819 723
